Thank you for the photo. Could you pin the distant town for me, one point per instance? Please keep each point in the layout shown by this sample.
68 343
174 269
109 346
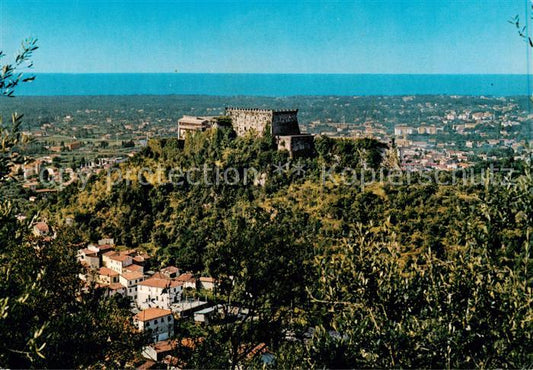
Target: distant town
429 132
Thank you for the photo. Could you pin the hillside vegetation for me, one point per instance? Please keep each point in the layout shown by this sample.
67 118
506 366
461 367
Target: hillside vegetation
334 274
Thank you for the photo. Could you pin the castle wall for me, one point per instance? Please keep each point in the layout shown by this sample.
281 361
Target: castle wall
283 125
281 122
244 120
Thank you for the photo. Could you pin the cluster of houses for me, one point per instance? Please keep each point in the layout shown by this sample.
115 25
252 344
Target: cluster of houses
157 297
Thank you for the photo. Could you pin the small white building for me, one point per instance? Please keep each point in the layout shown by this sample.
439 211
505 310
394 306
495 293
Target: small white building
188 280
130 281
106 241
116 261
207 283
158 292
158 321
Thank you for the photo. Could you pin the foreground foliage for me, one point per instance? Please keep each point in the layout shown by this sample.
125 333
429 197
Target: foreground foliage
48 319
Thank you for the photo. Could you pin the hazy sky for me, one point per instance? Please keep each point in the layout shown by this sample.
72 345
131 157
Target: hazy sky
358 36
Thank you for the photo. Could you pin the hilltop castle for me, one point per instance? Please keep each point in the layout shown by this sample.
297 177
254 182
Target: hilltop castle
283 125
282 122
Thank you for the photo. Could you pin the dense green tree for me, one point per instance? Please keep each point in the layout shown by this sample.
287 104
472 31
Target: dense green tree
48 318
262 272
468 307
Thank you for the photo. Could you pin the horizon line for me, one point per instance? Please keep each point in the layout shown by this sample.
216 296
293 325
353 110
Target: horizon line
288 73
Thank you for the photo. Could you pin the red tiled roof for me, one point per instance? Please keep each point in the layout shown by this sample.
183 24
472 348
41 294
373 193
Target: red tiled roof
158 275
138 259
186 277
88 252
132 275
128 252
170 269
116 286
164 345
152 313
160 283
170 344
133 268
119 257
207 279
260 349
107 272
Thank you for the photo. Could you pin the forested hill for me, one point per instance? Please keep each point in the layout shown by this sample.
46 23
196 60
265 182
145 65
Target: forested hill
400 271
186 186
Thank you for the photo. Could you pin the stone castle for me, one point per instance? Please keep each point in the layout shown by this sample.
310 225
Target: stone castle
283 125
282 122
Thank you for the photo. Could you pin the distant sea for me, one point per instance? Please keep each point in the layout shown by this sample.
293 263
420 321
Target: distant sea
275 84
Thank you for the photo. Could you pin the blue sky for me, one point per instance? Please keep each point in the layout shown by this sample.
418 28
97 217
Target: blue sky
370 36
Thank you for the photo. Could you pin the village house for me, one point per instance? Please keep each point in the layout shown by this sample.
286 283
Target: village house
207 283
141 259
91 256
101 248
107 276
158 321
106 241
165 351
261 351
160 350
170 272
116 261
130 281
158 292
402 130
133 268
188 280
73 146
205 315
